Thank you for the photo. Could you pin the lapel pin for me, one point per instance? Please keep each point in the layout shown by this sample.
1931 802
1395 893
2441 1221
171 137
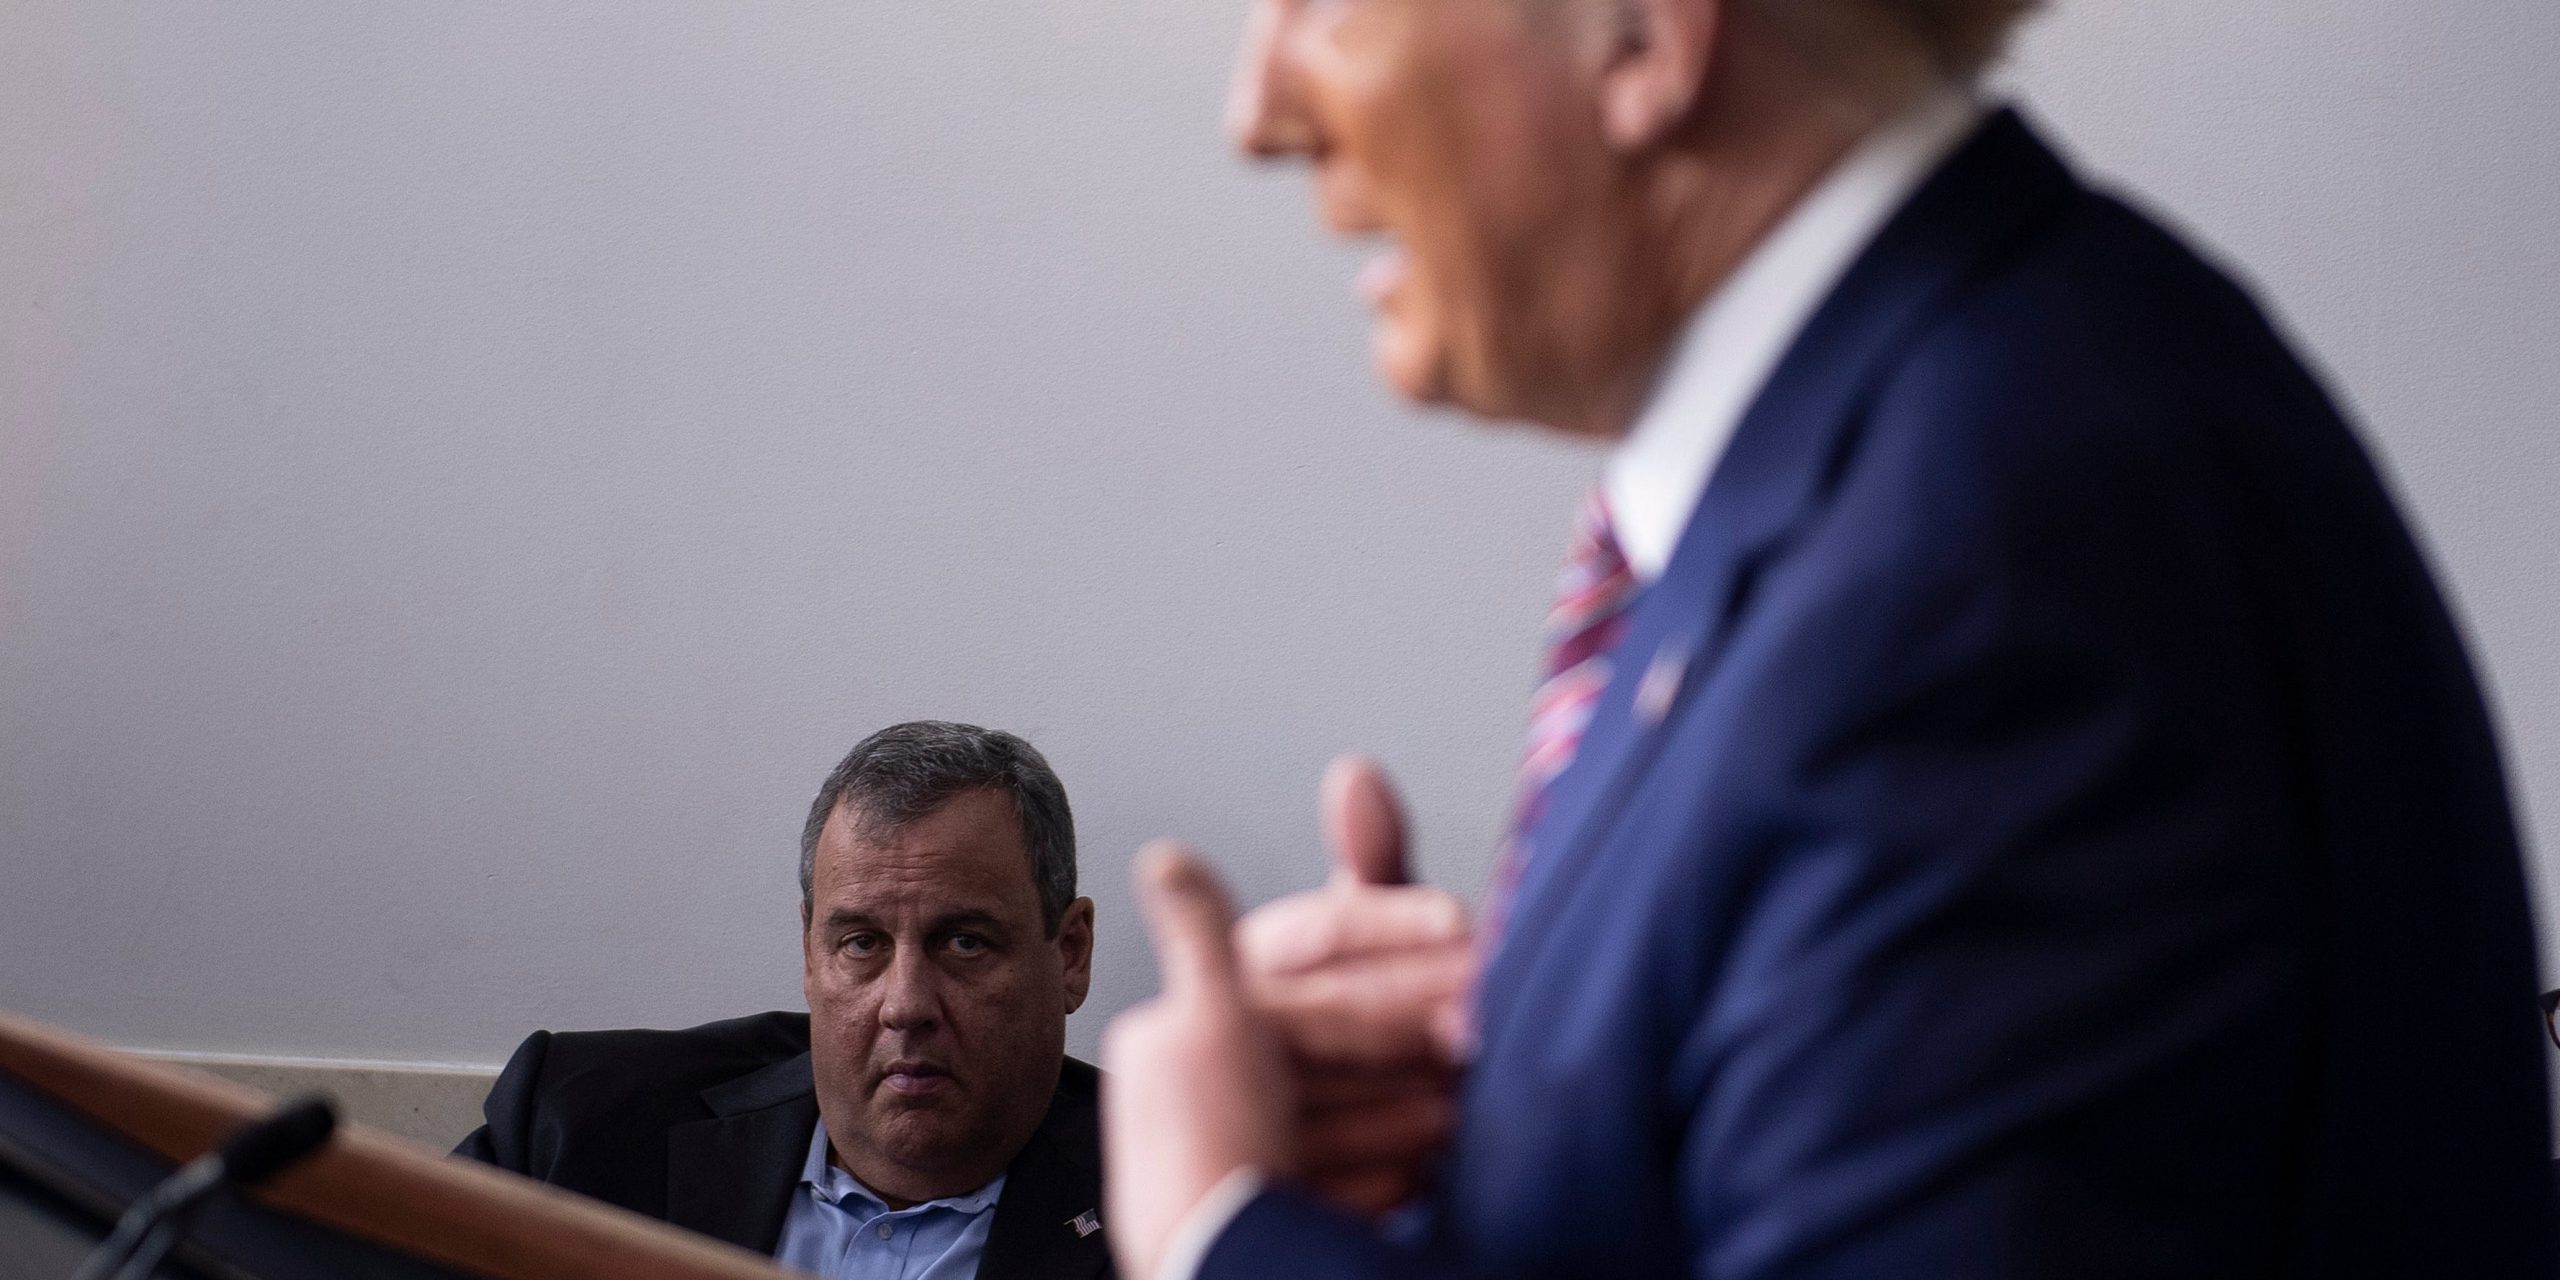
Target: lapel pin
1085 1223
1661 682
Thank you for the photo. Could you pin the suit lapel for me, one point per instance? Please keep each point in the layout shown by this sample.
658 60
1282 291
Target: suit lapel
1793 440
1051 1188
732 1176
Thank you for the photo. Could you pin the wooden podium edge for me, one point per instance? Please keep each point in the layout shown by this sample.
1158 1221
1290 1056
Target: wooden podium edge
445 1209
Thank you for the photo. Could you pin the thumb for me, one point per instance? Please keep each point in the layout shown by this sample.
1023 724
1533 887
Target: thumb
1363 823
1190 920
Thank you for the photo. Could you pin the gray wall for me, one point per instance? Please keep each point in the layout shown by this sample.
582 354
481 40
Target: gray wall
467 469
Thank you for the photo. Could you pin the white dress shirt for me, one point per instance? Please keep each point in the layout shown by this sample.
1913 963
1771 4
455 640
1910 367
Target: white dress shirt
1717 367
1733 342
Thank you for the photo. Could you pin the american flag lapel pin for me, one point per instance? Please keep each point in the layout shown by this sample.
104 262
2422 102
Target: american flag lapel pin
1085 1223
1661 682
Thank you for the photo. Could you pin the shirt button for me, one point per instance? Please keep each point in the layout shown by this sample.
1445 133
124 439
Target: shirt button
887 1231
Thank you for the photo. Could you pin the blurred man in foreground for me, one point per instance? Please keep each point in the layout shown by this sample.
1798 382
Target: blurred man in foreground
922 1121
2007 800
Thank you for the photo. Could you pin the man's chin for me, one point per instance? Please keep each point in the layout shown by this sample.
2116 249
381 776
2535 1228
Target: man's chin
1429 382
1409 366
888 1102
917 1139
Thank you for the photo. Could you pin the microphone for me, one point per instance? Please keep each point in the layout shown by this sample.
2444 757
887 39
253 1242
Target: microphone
156 1222
270 1146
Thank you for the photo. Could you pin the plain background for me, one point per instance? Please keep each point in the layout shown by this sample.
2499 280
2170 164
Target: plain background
468 469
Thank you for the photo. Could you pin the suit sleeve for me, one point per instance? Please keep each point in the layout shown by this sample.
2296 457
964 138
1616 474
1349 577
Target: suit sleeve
2003 959
1991 906
2014 990
1286 1234
504 1138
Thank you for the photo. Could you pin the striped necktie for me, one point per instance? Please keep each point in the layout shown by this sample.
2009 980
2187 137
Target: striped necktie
1590 613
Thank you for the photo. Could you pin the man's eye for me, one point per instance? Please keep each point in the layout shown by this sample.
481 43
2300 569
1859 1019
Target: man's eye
861 944
968 944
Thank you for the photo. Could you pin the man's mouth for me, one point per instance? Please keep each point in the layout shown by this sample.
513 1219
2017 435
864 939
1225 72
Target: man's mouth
914 1077
1384 273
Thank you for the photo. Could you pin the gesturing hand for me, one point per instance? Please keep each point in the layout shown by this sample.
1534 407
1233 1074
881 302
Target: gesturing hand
1194 1081
1365 981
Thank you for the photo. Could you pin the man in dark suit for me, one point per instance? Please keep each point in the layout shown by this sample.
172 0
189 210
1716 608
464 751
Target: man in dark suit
2007 801
922 1121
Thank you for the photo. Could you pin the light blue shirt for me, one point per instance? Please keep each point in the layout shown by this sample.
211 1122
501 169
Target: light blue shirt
839 1230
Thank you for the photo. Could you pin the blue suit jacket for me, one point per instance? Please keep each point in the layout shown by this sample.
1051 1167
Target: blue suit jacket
2062 836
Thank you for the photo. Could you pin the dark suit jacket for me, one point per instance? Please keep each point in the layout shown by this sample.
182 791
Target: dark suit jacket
708 1129
2063 837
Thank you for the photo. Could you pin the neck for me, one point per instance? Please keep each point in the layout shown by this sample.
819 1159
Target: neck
916 1193
1770 130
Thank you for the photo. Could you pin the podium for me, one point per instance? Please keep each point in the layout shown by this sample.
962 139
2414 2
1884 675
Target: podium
84 1130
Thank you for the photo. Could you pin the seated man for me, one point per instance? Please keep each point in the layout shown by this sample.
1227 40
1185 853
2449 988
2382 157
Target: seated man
922 1121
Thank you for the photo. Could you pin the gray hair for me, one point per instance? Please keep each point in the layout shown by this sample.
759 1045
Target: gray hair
907 771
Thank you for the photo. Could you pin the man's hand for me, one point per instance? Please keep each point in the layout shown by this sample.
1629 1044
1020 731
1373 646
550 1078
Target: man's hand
1366 981
1195 1084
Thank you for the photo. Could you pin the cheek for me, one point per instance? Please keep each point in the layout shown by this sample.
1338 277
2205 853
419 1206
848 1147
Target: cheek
841 1010
840 1046
1006 1013
1463 211
1435 285
1505 316
1445 320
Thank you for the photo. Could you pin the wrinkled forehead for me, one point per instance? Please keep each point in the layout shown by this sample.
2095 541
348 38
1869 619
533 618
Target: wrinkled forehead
966 855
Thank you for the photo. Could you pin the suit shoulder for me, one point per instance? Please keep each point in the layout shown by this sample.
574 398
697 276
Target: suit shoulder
2108 331
623 1066
1074 1121
2104 374
1079 1081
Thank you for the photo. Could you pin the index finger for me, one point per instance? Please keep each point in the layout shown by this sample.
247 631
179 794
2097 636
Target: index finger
1308 929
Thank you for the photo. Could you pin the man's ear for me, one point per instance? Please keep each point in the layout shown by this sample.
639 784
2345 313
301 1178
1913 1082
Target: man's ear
1075 945
1655 67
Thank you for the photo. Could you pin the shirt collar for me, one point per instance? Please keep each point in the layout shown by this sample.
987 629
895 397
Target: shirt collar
1734 340
834 1185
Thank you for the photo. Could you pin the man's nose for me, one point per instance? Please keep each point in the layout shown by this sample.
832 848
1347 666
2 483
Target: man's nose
1266 114
911 993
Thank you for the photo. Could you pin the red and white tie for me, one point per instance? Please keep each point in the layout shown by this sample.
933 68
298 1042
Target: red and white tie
1590 614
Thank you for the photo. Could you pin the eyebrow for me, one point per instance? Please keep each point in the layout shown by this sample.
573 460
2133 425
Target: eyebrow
971 918
965 918
840 917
